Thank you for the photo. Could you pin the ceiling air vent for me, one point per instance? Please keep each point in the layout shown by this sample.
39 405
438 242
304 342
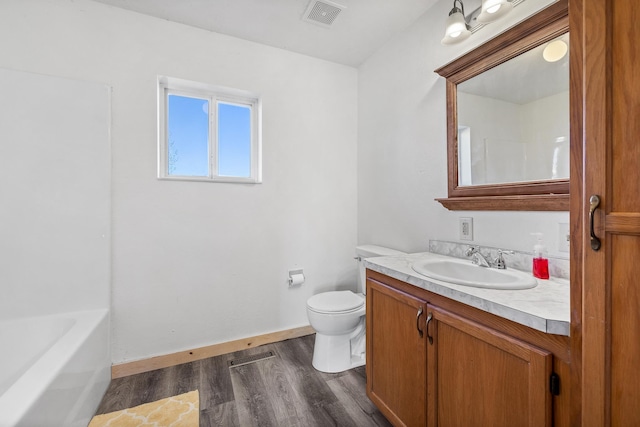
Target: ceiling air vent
322 12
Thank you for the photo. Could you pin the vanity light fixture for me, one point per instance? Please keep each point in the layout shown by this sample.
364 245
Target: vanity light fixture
457 28
555 51
492 10
460 27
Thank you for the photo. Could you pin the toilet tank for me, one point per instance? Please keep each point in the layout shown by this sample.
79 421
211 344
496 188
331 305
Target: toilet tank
370 251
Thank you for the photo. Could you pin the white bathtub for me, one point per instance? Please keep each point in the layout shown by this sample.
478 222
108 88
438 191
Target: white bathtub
54 370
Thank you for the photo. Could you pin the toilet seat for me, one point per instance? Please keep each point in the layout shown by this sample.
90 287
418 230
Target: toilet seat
335 302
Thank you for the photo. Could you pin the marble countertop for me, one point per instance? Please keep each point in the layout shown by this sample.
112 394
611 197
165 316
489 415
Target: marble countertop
545 307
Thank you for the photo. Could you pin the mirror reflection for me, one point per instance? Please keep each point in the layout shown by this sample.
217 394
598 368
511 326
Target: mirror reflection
513 120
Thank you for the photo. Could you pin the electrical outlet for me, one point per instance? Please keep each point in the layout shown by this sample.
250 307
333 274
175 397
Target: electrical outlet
466 228
563 237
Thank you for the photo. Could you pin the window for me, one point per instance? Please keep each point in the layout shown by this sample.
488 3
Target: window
207 133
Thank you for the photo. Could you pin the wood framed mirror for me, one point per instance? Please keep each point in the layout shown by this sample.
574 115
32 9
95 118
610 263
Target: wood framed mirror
508 119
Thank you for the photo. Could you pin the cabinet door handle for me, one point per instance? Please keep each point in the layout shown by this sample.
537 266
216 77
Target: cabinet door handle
594 202
429 319
420 311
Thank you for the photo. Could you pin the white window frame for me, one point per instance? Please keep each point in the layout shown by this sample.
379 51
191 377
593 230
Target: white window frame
215 95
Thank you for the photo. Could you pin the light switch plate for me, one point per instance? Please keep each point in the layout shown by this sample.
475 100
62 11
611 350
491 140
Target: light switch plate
466 228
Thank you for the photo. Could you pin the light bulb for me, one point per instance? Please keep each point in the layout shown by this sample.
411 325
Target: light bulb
555 51
493 10
456 27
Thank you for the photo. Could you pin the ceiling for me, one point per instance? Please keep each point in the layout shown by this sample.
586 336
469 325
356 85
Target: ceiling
505 82
360 28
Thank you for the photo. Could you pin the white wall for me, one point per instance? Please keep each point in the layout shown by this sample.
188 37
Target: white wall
533 136
545 126
202 263
491 144
402 144
54 220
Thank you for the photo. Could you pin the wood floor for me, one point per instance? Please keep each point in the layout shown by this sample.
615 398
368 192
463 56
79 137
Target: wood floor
284 390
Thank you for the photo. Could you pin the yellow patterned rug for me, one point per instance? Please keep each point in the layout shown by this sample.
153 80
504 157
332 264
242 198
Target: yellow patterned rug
176 411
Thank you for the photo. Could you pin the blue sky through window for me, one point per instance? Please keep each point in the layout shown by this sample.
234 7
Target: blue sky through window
188 127
188 145
234 140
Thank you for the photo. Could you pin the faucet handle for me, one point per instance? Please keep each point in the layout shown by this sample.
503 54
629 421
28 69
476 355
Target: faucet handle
471 250
499 261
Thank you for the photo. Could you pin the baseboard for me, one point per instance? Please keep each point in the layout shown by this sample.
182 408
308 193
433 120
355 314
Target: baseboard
159 362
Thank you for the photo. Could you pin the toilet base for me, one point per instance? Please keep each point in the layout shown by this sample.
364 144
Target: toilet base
332 353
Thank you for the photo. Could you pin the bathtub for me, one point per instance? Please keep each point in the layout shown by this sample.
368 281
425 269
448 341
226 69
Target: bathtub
54 370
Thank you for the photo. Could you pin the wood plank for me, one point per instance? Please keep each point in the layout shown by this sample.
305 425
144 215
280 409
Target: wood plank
159 362
562 403
215 382
567 406
129 391
351 394
338 415
148 387
307 384
222 415
623 222
285 403
118 396
534 202
593 386
625 331
252 396
182 378
624 102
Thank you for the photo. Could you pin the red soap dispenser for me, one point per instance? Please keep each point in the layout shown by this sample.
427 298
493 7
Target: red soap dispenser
540 263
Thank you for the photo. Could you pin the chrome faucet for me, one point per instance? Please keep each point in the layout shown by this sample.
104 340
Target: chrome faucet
499 261
476 257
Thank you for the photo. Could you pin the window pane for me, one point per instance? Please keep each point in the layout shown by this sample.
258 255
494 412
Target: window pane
234 140
188 130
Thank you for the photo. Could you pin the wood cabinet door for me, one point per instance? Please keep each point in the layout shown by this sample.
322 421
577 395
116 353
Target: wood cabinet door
396 354
607 295
480 377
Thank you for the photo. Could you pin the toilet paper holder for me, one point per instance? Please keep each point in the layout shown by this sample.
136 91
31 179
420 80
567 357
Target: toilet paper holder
296 277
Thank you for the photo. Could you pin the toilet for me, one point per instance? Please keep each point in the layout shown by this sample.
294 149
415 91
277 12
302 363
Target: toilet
338 318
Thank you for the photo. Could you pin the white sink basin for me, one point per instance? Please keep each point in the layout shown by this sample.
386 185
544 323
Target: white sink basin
462 272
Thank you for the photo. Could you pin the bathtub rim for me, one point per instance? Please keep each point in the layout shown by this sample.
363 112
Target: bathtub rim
20 397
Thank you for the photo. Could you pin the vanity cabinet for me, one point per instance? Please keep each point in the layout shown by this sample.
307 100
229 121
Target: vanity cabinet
396 354
480 377
432 361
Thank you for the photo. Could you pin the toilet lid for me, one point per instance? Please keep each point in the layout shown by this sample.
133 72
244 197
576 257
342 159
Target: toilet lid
335 301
